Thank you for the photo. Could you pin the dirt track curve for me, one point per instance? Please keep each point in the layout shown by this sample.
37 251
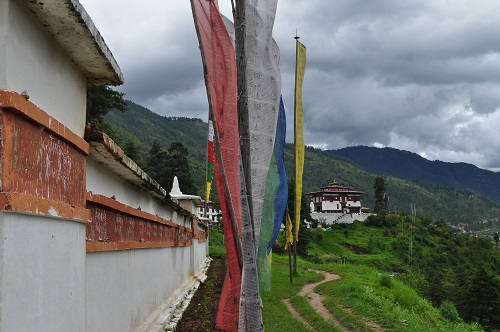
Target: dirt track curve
317 302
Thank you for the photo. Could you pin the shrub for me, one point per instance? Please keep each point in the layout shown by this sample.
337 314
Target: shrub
320 233
447 310
385 280
278 248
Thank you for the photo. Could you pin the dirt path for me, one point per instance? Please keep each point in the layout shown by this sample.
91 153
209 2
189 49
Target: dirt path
296 314
316 301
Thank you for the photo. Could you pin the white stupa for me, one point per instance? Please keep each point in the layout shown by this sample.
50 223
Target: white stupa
188 202
176 191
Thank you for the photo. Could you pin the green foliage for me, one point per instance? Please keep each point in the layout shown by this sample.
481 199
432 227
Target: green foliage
178 165
132 151
143 127
379 189
428 256
216 243
100 100
164 165
385 280
447 310
305 235
481 300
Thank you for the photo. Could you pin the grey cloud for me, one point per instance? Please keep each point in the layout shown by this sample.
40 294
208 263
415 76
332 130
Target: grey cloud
418 75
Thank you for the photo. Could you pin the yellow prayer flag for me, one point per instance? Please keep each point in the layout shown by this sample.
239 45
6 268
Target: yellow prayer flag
299 131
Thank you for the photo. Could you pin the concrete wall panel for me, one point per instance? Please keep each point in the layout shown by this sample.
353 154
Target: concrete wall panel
124 287
41 274
33 62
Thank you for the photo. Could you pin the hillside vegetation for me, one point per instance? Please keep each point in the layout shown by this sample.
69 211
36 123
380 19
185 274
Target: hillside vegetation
402 273
142 127
451 204
411 166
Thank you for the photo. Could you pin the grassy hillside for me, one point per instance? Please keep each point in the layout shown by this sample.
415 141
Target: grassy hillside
142 127
381 283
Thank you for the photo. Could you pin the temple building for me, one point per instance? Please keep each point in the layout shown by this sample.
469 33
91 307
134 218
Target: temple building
337 199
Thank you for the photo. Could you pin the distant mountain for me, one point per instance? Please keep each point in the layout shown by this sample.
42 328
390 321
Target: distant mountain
411 166
141 127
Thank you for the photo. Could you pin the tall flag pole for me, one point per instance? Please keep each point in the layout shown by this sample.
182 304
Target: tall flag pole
300 66
219 66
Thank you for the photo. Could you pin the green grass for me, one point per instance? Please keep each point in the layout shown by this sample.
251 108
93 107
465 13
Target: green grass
363 288
216 243
313 318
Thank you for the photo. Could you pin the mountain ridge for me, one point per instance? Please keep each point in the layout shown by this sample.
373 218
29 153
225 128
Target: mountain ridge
411 166
142 126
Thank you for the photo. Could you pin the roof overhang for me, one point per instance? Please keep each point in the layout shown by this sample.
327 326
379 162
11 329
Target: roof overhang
71 26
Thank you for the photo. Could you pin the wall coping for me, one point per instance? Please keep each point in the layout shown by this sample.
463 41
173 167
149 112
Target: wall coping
73 29
106 152
18 104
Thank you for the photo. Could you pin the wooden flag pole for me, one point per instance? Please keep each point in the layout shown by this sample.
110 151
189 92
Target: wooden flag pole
290 266
294 225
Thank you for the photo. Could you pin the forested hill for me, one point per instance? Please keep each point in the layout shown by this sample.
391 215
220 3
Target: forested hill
141 127
140 124
411 166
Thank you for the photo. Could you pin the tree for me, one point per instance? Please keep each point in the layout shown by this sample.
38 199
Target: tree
379 188
132 151
156 164
163 165
100 100
483 299
305 214
496 237
178 165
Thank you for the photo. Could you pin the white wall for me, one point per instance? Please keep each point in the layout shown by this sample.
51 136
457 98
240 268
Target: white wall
199 252
41 274
30 60
124 287
4 29
104 182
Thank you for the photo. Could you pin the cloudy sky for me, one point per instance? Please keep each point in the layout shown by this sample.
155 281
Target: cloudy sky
422 76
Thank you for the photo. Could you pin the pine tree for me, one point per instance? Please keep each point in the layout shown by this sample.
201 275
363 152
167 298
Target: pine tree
379 188
102 99
132 151
156 164
483 303
178 165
